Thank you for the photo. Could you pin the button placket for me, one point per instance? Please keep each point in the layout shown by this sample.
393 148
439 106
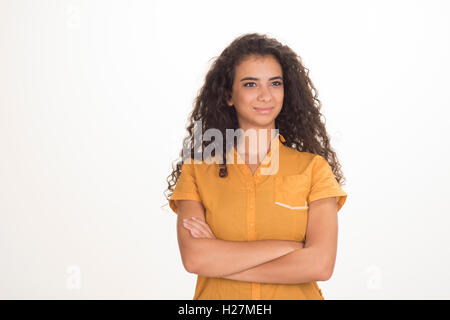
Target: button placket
251 214
252 180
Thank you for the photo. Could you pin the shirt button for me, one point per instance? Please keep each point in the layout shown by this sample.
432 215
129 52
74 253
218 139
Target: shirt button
252 224
251 205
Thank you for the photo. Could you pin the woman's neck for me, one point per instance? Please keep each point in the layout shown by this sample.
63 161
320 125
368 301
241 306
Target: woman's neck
257 144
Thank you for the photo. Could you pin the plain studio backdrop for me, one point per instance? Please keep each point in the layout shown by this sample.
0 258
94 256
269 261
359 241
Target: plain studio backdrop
94 102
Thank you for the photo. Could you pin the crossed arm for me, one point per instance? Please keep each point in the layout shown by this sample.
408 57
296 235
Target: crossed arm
265 261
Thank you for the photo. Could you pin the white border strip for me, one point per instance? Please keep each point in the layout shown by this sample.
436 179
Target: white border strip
289 207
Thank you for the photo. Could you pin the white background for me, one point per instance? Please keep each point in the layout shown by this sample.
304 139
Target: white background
94 99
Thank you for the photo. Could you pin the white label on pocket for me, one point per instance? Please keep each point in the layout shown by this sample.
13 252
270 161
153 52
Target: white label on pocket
290 207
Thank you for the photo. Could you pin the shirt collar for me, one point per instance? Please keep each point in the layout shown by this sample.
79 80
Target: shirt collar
269 153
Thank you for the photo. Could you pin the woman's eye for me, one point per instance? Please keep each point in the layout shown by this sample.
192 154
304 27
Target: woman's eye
250 84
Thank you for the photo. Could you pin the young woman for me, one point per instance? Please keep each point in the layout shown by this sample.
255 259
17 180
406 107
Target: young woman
264 229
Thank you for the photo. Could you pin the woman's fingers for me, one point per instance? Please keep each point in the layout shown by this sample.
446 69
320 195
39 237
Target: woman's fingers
195 233
194 229
205 226
197 224
201 228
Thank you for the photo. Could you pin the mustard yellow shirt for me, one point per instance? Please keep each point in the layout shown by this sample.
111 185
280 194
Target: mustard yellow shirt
247 207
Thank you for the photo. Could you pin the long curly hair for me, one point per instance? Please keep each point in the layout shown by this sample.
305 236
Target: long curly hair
300 121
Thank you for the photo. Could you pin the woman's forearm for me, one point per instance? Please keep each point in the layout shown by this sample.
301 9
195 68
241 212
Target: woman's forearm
216 257
299 266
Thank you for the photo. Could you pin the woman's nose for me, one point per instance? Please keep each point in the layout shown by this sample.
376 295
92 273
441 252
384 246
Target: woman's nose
264 94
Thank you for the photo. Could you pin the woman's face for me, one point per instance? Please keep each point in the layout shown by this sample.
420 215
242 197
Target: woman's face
257 92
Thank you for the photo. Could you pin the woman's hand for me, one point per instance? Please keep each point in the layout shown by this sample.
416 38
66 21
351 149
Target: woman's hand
198 228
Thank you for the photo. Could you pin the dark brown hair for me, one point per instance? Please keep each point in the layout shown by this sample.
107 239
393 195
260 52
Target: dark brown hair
299 121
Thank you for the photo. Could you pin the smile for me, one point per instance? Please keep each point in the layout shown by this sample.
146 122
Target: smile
263 110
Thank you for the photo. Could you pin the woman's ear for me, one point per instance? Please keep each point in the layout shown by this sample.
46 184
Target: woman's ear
230 100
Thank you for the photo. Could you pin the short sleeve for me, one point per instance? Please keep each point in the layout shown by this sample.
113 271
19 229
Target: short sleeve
186 187
324 184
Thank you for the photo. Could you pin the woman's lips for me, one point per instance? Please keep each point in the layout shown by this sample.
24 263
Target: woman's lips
263 110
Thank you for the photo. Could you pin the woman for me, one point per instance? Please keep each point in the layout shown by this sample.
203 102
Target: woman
264 229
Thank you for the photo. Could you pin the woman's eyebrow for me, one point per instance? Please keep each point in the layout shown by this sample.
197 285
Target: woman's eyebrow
253 78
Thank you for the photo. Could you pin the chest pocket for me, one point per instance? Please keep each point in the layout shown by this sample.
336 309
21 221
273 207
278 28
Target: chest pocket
290 196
